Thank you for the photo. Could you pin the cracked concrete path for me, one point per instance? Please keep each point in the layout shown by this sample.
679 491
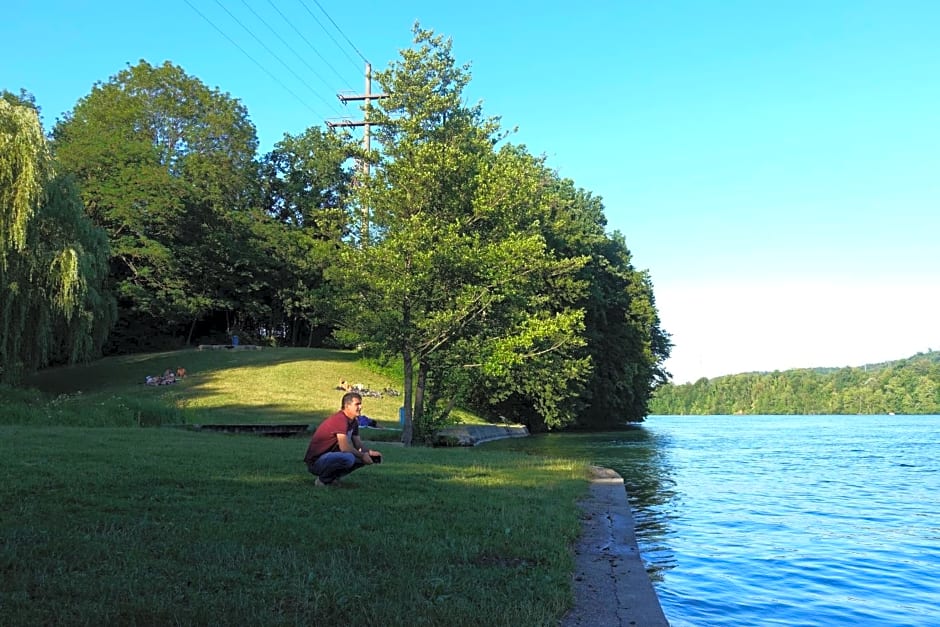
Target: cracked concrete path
611 586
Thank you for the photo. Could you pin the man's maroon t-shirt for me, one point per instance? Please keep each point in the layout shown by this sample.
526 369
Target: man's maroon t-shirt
324 438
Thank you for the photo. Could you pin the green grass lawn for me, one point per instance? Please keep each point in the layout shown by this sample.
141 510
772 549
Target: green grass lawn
277 385
118 524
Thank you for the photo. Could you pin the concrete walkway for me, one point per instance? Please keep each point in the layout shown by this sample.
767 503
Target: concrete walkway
611 587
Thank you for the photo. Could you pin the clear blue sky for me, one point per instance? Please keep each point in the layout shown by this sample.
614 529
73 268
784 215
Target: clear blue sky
774 165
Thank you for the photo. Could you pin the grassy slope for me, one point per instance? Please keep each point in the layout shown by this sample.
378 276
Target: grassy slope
291 385
157 526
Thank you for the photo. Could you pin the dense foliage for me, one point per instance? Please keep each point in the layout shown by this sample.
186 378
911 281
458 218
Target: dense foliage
468 261
907 386
475 265
167 167
456 276
54 305
306 183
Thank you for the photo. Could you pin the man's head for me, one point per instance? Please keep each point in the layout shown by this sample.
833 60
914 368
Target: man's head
352 404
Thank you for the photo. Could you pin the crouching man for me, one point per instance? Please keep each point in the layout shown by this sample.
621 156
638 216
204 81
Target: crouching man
335 449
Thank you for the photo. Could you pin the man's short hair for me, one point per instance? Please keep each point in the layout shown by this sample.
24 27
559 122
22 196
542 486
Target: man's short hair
348 398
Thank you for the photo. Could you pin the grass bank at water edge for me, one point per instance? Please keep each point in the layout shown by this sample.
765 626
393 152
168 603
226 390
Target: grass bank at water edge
129 525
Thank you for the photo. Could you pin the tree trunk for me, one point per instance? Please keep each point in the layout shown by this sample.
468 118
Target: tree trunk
407 431
420 390
451 403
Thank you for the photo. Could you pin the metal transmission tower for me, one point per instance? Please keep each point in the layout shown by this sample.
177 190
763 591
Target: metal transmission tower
368 97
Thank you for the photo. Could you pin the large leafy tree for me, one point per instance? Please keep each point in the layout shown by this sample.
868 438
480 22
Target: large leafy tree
306 180
539 382
306 186
166 166
624 343
53 261
624 338
457 278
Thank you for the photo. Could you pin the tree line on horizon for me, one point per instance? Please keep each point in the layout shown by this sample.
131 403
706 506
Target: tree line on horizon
146 221
904 386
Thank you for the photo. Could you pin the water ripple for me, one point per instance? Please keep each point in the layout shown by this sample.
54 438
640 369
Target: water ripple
819 520
747 521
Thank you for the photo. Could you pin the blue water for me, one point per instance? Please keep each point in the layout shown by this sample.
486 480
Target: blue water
782 520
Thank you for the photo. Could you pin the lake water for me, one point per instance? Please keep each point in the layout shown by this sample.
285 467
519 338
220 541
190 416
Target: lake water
781 520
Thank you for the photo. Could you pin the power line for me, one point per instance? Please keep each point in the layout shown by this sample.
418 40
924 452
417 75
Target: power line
287 45
361 56
353 61
253 60
301 35
273 54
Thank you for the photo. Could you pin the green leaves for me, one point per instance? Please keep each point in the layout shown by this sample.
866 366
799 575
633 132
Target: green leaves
53 261
905 386
458 278
24 169
489 276
165 164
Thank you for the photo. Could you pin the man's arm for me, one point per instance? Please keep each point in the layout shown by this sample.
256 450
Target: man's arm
372 453
357 443
354 447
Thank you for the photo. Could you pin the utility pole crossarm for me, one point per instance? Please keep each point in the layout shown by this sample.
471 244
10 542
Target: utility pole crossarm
368 97
344 98
336 123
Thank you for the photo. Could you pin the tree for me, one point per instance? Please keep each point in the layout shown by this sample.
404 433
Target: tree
904 386
625 344
534 367
166 166
457 276
54 306
307 179
306 187
26 166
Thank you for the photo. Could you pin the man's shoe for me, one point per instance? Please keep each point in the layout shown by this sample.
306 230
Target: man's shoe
320 484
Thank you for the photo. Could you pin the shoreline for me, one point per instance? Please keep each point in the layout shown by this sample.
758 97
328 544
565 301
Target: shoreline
610 583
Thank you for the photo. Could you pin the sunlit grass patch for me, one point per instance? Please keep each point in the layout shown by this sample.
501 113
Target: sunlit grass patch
123 526
277 385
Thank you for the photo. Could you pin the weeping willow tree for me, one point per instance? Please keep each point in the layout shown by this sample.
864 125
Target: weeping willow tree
54 307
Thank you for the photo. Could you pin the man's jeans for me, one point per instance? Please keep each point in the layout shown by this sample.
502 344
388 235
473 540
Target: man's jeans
331 466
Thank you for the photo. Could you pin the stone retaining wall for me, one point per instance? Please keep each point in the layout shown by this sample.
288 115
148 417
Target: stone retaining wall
471 435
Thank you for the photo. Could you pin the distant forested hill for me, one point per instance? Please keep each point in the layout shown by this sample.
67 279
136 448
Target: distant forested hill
906 386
